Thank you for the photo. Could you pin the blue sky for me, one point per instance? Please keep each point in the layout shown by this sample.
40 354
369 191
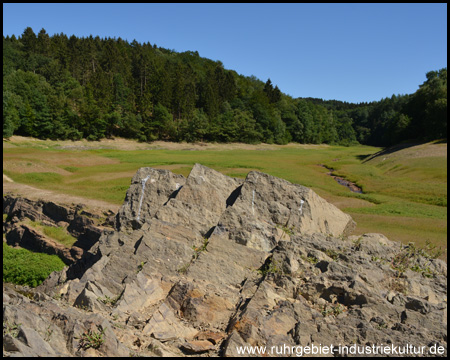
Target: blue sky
348 52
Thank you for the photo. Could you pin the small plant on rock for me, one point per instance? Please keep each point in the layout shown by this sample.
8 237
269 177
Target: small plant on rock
109 301
184 268
333 310
409 258
11 328
83 306
270 268
199 249
357 243
48 334
311 259
400 262
287 230
92 339
141 266
425 270
332 254
398 285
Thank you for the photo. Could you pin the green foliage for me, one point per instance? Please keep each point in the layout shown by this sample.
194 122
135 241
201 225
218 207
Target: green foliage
70 88
287 230
184 268
357 243
23 267
11 328
199 249
409 258
92 339
311 259
428 107
332 254
141 266
332 310
48 334
270 267
110 301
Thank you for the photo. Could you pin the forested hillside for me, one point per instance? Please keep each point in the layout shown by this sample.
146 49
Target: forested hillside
61 87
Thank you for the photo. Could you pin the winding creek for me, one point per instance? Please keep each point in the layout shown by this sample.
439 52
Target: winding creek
348 184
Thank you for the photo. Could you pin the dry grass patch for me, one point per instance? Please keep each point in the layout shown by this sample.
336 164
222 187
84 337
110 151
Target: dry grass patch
105 176
56 158
23 167
345 202
404 229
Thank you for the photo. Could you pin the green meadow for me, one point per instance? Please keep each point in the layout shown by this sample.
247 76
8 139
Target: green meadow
404 196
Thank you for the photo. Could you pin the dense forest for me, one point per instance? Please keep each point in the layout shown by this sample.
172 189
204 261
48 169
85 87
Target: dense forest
60 87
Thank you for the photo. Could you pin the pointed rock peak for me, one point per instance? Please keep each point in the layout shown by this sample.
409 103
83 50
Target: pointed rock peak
201 173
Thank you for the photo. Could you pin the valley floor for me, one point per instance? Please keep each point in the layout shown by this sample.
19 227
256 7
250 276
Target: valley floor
404 188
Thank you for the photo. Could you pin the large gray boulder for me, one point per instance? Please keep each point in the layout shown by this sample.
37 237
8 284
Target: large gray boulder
201 201
268 208
149 190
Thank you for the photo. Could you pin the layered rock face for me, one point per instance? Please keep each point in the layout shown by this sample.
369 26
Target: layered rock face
78 223
208 264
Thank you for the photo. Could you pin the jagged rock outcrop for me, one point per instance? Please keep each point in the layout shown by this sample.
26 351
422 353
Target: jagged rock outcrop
208 263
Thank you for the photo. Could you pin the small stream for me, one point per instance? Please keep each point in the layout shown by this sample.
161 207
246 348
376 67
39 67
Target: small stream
352 186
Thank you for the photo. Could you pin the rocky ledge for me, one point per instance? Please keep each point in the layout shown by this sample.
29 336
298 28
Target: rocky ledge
208 264
85 226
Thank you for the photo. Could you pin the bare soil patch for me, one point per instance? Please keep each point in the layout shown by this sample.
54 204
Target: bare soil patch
33 193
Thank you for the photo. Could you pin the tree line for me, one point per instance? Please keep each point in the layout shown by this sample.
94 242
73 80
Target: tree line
61 87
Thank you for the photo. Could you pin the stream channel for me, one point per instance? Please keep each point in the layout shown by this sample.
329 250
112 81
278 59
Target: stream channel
352 186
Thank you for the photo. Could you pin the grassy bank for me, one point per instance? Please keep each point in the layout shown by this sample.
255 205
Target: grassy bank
24 267
405 197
